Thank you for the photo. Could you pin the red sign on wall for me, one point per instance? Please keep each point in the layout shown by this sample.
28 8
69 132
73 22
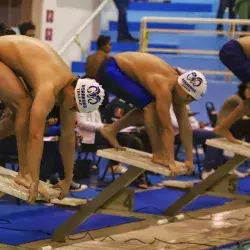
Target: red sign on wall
50 16
48 34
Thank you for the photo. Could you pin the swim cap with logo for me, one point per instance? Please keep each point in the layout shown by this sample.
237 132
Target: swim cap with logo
89 95
194 83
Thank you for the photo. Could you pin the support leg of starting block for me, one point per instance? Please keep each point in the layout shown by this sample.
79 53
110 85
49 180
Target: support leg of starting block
100 201
205 185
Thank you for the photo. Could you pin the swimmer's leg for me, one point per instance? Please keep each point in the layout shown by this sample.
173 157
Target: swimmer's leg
22 131
16 97
133 118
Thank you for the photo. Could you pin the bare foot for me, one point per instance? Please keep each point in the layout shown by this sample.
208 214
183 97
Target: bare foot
226 133
174 170
159 160
25 180
190 167
108 134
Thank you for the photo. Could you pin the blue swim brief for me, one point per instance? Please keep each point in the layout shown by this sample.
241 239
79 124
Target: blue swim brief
234 58
115 81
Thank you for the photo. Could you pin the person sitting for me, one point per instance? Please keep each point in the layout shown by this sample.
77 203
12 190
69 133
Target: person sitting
27 29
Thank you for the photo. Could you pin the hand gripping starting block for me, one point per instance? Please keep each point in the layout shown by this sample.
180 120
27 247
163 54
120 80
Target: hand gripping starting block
8 186
115 199
220 183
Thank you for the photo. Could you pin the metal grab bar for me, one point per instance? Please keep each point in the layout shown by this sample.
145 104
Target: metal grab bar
84 26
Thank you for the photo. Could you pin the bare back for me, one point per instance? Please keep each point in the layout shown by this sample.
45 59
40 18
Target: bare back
94 61
142 67
36 62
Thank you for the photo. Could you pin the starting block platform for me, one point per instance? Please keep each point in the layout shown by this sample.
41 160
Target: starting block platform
220 183
180 184
243 148
138 159
8 186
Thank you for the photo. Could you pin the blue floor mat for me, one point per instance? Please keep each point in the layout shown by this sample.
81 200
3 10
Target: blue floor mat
25 223
152 201
39 224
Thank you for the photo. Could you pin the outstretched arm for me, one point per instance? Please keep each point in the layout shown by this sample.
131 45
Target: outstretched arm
67 141
42 105
186 132
163 103
234 116
223 128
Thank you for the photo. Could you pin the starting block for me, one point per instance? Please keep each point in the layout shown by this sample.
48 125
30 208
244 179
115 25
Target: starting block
116 199
180 184
220 183
8 186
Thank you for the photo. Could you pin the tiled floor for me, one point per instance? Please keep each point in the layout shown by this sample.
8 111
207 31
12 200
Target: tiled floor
201 233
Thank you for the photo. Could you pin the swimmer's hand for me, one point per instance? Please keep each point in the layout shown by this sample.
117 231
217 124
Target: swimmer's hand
174 170
64 188
33 192
34 189
190 167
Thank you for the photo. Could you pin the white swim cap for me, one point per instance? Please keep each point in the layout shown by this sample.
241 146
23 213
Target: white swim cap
194 83
89 95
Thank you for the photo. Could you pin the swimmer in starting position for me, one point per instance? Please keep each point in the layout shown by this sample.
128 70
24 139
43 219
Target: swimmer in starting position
33 78
235 55
152 86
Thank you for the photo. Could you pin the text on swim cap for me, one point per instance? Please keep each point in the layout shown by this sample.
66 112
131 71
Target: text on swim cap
81 96
187 86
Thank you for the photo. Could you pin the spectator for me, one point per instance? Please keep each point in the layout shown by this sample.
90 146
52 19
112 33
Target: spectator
2 28
9 31
123 32
27 29
94 61
223 5
242 9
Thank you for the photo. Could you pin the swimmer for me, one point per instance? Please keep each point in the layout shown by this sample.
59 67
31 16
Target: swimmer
223 128
152 85
34 78
235 55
